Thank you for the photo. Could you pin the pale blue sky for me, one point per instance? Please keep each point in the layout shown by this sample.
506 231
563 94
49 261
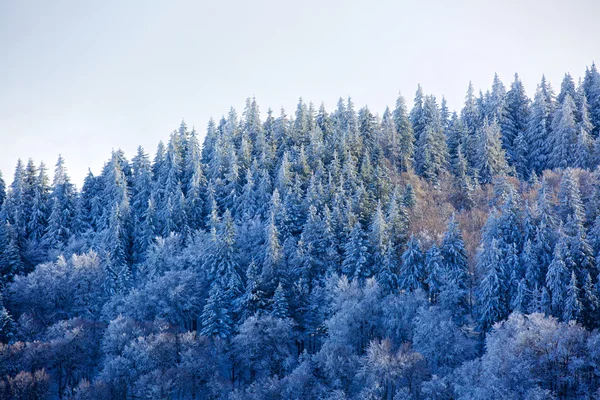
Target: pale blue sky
83 77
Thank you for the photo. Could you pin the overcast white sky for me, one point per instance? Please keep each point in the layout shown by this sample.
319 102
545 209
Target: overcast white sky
83 77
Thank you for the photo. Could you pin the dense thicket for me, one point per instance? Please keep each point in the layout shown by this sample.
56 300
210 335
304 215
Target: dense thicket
421 254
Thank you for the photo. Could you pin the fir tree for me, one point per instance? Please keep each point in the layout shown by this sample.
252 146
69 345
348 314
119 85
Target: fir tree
491 300
62 215
355 252
514 124
538 131
280 308
454 256
557 279
406 138
572 308
490 159
563 136
412 275
216 317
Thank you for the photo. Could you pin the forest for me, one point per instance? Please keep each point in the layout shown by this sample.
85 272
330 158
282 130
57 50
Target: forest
421 253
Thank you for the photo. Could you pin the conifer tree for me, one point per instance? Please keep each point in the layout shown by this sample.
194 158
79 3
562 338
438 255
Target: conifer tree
454 256
11 261
412 275
515 122
591 87
491 159
557 278
355 251
280 308
216 316
406 137
491 300
437 274
563 136
416 114
62 215
573 307
538 131
569 197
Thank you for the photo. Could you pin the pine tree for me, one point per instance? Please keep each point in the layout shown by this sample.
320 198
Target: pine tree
567 88
406 137
38 219
280 308
140 200
569 197
416 114
563 136
538 131
437 275
431 156
11 261
272 273
557 278
573 307
378 239
454 256
227 264
412 273
591 86
6 324
409 198
216 317
116 248
355 252
62 215
490 159
515 122
388 274
491 300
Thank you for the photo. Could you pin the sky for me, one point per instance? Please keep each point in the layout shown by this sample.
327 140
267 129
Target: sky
81 78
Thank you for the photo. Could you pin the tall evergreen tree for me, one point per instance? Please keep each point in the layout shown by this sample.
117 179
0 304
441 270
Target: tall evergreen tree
538 131
412 275
406 137
62 215
563 135
490 159
515 122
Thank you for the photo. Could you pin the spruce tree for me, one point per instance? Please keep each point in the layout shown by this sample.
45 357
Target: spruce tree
515 122
491 160
557 278
62 215
572 307
406 137
216 316
356 254
538 132
491 298
412 275
280 308
563 136
454 256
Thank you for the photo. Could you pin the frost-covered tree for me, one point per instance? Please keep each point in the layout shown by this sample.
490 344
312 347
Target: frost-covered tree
62 215
412 273
490 160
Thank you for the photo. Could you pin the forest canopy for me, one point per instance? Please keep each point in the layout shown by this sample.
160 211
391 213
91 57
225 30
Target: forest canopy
340 254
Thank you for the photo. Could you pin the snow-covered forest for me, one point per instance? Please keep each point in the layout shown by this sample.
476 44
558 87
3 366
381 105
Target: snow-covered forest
419 253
